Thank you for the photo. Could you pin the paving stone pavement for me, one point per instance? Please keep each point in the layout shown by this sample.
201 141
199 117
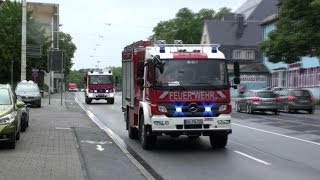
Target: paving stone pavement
48 149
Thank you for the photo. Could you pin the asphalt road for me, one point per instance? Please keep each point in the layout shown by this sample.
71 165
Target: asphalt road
262 146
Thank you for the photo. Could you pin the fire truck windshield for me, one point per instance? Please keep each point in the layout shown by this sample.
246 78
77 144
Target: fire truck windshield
211 72
101 79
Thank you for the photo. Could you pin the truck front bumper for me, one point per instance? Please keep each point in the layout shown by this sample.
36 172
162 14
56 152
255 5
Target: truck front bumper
204 125
100 95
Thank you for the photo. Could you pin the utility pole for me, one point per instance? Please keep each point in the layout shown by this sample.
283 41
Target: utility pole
24 41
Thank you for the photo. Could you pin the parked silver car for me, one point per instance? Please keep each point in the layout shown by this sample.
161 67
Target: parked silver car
292 100
258 100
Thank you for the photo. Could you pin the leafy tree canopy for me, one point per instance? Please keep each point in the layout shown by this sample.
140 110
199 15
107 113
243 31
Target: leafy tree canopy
186 26
66 44
297 32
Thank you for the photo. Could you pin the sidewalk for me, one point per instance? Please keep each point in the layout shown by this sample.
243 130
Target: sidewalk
49 149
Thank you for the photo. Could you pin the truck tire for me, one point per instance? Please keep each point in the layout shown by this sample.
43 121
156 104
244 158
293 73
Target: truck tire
132 131
88 101
147 141
218 140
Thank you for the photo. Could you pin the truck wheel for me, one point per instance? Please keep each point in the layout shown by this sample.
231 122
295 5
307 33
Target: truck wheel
88 101
147 141
311 111
249 109
218 140
132 131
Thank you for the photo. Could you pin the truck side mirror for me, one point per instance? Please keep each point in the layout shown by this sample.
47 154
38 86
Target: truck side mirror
158 63
117 79
140 70
236 70
236 80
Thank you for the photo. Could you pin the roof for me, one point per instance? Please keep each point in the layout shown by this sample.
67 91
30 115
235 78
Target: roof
225 32
270 19
257 9
254 67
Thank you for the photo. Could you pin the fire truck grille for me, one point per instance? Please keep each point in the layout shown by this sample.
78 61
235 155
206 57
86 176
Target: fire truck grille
192 110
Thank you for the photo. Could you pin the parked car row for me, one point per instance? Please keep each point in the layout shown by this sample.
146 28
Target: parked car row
13 116
14 109
287 100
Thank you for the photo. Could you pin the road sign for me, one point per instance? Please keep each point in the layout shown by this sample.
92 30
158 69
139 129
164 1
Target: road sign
35 74
56 60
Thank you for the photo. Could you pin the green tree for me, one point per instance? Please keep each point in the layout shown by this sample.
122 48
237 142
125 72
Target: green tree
75 76
297 32
66 44
10 41
186 26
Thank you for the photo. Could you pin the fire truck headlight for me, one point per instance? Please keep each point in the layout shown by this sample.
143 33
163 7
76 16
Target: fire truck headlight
107 90
223 108
207 108
178 109
111 94
162 109
95 91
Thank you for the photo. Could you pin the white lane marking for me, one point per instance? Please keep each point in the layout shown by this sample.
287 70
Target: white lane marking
63 128
96 142
99 148
117 139
278 134
253 158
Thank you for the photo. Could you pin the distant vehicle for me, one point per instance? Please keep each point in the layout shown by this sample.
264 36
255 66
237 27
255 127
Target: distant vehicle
10 116
258 100
292 100
275 89
99 85
29 92
72 87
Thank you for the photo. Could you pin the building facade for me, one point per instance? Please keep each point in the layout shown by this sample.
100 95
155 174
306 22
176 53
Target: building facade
47 15
304 74
239 35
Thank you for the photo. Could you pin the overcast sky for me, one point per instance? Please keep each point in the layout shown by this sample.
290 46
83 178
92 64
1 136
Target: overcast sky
102 28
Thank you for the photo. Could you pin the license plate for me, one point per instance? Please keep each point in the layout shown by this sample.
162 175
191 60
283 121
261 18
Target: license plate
193 121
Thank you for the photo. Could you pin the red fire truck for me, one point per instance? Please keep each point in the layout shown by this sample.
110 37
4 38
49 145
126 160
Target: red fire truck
176 89
72 87
99 85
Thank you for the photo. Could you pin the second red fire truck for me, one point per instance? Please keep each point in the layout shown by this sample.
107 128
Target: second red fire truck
99 85
176 89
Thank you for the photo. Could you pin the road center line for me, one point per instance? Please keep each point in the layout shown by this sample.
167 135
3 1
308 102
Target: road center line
253 158
278 134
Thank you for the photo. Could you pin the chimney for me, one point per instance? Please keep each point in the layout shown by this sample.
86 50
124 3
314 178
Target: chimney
240 25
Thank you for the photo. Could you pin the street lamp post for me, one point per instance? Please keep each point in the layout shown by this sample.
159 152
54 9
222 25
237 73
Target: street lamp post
24 41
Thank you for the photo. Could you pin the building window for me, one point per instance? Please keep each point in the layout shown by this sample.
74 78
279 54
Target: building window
244 54
237 54
249 55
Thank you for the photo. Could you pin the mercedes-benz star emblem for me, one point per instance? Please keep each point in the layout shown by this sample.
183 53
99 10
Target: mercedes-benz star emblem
193 107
